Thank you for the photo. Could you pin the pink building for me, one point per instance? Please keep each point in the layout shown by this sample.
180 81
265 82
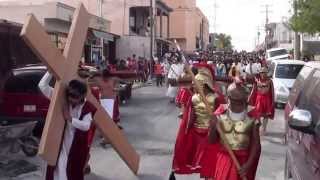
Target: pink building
188 25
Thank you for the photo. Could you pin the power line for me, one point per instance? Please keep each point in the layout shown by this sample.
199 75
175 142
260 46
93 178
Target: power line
267 11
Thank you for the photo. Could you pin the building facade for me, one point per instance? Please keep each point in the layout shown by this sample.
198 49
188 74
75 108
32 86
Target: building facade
56 17
188 25
280 35
144 30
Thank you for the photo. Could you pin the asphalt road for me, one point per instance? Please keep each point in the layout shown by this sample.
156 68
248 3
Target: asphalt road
151 124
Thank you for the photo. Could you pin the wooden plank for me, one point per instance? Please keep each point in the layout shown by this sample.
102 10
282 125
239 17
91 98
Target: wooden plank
75 42
53 130
64 68
117 139
40 43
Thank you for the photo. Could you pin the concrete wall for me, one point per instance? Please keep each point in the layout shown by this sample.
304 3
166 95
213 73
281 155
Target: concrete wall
117 11
46 11
185 23
18 13
181 3
129 45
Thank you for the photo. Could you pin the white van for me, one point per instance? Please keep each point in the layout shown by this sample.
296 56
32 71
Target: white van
284 74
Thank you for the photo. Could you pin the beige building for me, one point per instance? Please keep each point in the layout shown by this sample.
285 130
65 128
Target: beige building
56 17
188 25
131 19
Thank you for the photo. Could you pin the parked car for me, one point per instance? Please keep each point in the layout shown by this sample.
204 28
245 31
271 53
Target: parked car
21 99
276 54
284 74
302 114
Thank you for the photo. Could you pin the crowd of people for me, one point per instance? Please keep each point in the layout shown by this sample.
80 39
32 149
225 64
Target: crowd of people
216 125
213 123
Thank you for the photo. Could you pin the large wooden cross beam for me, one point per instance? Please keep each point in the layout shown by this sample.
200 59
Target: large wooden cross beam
64 68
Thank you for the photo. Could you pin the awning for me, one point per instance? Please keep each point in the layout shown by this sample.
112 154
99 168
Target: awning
165 41
105 35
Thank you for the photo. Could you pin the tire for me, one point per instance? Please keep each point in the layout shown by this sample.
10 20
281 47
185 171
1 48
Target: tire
287 169
30 146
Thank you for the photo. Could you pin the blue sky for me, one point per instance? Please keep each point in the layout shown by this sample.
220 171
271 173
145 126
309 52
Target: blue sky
241 18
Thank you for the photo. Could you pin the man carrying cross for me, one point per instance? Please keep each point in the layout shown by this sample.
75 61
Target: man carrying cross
75 147
64 67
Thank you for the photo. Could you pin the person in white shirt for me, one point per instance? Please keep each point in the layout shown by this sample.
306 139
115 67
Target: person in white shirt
252 68
78 114
175 71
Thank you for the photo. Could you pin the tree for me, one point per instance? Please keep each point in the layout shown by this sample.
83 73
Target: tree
223 41
306 18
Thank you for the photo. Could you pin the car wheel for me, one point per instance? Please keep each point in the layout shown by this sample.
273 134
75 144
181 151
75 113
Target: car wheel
287 169
30 146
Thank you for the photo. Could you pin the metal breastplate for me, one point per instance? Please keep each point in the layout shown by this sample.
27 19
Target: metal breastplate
237 133
202 117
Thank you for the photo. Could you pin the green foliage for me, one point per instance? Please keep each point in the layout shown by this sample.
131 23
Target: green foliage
223 41
307 16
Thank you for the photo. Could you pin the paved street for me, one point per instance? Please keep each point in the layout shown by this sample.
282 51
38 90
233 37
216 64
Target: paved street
150 123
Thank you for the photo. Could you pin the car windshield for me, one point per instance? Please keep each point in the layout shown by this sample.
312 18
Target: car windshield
288 71
278 53
24 82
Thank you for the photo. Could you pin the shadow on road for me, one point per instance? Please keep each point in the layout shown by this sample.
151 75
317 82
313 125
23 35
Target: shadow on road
149 177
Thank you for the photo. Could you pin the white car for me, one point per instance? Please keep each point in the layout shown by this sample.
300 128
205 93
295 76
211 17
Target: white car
283 74
277 53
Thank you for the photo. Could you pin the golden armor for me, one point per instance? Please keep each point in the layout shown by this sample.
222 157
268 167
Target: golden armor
202 117
237 133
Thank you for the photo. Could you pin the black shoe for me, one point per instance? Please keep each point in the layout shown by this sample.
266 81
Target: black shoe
172 176
87 170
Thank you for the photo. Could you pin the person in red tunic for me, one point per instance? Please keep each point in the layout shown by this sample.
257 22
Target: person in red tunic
78 114
192 136
262 98
242 134
106 83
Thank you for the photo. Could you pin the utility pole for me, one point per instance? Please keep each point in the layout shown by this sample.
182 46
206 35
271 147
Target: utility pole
215 8
151 29
296 34
267 12
259 29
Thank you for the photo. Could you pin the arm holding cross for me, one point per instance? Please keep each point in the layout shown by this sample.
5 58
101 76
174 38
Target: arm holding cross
44 86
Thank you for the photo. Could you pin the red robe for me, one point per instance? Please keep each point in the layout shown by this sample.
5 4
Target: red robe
223 167
183 96
78 154
263 103
190 153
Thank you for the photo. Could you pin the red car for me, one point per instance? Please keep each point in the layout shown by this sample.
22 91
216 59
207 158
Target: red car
21 99
302 113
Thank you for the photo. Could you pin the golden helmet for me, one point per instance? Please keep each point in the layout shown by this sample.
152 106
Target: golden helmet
204 76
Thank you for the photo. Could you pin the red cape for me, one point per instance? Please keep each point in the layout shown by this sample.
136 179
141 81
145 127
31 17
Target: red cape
79 150
263 103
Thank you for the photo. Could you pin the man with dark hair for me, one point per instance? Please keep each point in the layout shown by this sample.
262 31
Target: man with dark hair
78 114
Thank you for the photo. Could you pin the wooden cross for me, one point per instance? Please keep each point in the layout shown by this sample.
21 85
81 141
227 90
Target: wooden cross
64 68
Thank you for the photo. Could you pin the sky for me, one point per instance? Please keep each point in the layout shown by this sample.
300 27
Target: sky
242 18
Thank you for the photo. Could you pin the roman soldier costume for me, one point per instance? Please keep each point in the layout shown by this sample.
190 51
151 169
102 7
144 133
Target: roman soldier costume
262 97
193 132
240 133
